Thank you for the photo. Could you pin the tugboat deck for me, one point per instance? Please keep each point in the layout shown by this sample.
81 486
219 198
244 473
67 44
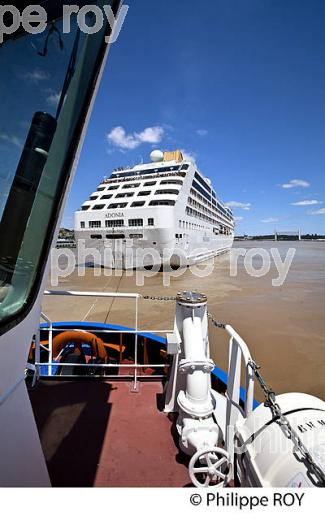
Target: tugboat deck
99 433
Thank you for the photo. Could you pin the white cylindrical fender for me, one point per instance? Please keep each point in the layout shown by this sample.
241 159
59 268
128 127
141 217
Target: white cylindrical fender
266 455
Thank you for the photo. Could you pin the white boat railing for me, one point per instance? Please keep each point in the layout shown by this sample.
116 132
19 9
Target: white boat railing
136 331
238 353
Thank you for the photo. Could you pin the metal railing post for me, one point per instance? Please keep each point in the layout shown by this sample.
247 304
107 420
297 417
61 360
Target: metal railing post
37 356
136 345
50 345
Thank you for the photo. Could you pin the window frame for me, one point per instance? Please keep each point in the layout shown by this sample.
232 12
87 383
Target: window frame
71 156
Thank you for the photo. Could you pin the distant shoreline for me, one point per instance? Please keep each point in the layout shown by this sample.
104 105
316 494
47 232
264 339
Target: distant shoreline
304 238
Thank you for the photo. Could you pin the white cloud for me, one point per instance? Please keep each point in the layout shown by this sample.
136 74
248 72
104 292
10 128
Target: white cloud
118 137
311 202
189 156
270 220
320 211
12 139
238 219
37 75
241 205
152 134
202 132
53 99
296 183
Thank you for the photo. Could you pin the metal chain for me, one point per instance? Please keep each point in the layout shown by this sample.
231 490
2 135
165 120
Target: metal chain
270 401
281 419
160 298
215 322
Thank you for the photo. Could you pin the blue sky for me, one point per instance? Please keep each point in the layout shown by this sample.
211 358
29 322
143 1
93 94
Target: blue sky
239 85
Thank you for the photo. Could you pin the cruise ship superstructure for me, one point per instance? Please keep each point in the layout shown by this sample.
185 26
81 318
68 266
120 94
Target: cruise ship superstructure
162 212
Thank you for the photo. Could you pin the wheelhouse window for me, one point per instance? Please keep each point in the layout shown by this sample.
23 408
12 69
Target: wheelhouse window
144 193
46 87
95 224
113 187
99 206
105 197
93 197
101 188
150 183
138 203
85 207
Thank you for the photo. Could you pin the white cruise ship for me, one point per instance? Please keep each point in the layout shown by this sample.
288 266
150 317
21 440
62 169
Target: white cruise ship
161 213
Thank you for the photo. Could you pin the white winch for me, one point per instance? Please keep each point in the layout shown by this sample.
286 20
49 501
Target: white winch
280 444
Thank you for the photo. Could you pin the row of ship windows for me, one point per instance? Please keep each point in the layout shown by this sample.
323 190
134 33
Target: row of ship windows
135 204
131 194
218 230
194 213
137 184
213 213
113 223
118 236
205 184
110 182
163 169
190 225
215 206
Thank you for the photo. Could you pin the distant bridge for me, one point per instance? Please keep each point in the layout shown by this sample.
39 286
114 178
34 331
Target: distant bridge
287 235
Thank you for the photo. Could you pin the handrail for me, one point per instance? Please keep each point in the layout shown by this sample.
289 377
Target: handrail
238 350
96 294
113 331
232 368
134 331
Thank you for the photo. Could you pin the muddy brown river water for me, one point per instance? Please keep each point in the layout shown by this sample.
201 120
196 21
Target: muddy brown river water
284 326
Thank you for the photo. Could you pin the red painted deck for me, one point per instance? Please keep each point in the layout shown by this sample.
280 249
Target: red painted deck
97 433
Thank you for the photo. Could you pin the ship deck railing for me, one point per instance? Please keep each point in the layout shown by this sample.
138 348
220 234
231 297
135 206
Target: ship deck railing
240 398
135 331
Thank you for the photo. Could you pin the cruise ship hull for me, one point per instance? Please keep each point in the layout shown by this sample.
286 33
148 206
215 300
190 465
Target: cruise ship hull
157 248
161 213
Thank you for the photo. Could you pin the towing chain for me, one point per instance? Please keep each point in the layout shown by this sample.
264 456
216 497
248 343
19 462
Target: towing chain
160 298
299 449
215 322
